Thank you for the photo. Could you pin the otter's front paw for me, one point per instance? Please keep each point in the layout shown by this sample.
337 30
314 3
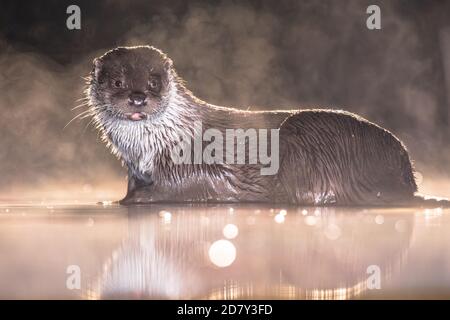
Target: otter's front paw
126 201
136 198
131 200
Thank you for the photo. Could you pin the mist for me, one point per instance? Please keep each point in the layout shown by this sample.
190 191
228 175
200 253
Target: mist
256 55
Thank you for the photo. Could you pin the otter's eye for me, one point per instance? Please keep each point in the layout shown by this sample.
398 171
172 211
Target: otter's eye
118 84
154 84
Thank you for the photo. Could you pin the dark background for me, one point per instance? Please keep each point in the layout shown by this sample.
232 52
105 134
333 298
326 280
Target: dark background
262 54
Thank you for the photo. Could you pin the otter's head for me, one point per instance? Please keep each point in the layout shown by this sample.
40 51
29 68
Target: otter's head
130 83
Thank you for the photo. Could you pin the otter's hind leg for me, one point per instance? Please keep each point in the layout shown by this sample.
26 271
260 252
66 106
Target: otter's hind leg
302 182
384 181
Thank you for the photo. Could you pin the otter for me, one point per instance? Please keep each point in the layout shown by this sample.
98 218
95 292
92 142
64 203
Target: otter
326 157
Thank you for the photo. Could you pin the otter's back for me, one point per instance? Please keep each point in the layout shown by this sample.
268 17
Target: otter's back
340 157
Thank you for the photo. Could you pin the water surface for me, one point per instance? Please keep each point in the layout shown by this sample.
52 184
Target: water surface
223 252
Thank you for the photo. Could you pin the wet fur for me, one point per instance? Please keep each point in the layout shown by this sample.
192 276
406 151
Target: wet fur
326 156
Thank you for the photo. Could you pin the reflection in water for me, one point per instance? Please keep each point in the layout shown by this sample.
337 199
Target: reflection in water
230 253
222 253
230 231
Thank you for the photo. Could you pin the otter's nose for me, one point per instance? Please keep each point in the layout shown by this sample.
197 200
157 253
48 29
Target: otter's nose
137 99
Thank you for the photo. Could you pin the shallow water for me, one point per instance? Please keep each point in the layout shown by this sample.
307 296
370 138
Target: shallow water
222 252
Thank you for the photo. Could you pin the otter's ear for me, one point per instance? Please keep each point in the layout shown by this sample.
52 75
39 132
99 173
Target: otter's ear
96 66
168 64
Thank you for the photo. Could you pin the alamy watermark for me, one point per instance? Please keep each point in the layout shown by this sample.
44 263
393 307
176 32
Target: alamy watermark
374 280
73 281
373 22
230 146
73 21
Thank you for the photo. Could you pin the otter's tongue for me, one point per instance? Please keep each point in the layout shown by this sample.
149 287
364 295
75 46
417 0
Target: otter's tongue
136 116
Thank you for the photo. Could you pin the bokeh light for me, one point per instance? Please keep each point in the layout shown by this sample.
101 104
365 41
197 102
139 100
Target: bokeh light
222 253
230 231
